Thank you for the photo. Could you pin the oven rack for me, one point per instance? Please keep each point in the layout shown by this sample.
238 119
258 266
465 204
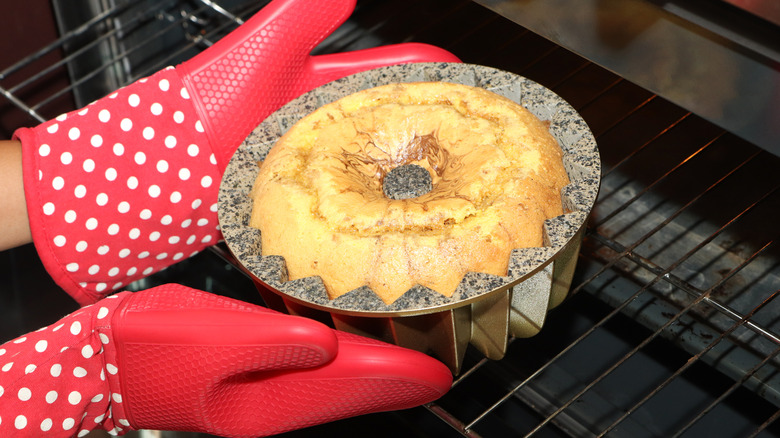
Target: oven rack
114 47
671 328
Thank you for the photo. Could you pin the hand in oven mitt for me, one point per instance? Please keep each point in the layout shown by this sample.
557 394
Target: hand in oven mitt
128 185
173 358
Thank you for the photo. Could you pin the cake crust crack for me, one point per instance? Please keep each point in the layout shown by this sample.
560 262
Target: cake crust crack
496 176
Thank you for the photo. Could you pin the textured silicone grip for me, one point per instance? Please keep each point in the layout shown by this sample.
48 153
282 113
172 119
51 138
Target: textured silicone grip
258 67
192 361
181 354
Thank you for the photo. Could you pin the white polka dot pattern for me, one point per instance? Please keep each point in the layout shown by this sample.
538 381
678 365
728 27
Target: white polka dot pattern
53 382
111 187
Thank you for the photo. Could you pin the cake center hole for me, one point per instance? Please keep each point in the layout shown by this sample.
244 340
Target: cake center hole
407 181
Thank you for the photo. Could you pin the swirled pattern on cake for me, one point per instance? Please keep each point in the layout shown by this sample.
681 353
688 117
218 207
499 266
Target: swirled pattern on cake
495 175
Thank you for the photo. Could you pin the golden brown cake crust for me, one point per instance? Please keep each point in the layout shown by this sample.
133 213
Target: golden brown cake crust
496 175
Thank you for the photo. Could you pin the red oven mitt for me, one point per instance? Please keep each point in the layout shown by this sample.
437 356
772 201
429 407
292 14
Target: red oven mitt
172 358
128 185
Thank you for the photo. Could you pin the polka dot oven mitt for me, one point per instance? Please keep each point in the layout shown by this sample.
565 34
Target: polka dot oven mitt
128 185
121 188
136 361
54 381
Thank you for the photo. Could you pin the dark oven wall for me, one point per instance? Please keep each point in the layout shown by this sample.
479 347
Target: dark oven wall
30 25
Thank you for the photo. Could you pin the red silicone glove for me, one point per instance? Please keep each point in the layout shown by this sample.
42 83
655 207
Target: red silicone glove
128 185
172 358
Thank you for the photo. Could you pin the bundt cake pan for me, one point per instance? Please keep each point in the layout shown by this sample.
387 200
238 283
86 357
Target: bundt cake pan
485 310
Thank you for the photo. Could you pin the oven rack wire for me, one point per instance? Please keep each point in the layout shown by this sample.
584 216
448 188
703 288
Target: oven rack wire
671 328
111 36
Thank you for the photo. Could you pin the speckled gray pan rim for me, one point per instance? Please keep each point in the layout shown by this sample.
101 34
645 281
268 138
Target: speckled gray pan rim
581 160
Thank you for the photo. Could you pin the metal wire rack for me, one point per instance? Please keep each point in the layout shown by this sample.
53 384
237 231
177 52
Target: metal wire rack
672 327
113 47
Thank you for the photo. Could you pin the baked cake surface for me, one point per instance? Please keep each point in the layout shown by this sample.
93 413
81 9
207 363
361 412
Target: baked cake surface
495 176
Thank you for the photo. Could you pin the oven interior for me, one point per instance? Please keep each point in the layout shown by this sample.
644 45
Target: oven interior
671 328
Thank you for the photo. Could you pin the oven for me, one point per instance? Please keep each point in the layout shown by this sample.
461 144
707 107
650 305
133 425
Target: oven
671 327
